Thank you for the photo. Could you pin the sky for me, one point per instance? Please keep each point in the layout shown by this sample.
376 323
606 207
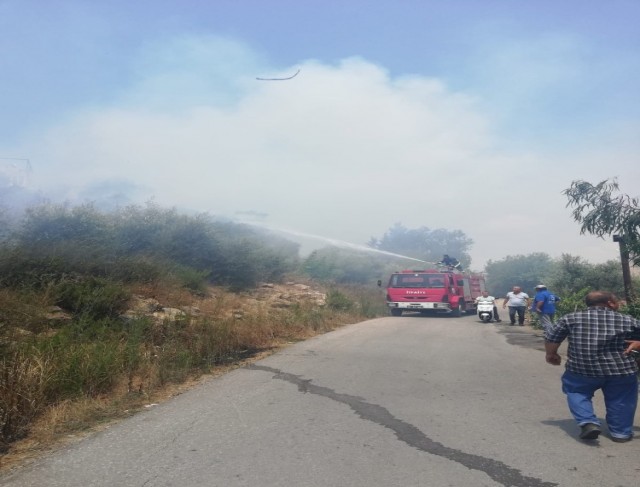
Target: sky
459 114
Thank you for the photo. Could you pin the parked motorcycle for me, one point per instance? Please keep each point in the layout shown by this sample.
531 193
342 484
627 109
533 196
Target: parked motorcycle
485 312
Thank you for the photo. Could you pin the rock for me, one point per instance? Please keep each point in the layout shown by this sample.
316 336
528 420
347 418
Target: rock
56 313
169 314
144 305
191 310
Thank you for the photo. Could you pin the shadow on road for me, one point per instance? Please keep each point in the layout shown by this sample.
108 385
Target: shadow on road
523 336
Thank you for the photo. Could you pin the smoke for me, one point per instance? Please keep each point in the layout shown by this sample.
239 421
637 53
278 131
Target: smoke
343 150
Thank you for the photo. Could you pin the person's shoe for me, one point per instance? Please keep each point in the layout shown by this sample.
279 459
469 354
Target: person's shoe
498 321
623 439
589 431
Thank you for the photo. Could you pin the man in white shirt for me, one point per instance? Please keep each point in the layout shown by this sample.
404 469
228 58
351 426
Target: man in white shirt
518 302
485 298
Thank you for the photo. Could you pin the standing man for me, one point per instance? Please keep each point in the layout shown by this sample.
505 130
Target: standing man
598 358
517 302
485 298
544 303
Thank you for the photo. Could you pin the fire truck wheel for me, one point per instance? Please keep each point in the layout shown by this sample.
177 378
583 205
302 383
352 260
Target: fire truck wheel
456 312
396 312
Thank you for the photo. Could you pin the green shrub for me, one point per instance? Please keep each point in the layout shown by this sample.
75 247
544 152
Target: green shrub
139 268
339 301
21 269
190 278
572 302
86 357
91 296
632 308
85 369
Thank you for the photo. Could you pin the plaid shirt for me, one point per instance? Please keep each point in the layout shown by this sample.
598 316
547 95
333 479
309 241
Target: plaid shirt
596 341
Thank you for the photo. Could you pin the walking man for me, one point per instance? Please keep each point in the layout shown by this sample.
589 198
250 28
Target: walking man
518 303
544 304
598 358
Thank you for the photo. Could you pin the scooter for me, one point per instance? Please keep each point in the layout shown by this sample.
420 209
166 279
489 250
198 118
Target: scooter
485 312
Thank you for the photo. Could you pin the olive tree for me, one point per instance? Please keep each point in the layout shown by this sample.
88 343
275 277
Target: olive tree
603 212
571 274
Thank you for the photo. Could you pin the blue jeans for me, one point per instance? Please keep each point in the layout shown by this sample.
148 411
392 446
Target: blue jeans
620 398
512 314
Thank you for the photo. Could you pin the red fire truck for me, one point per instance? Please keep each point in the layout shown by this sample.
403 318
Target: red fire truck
438 290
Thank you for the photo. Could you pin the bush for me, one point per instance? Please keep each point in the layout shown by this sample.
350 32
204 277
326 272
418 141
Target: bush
572 302
136 269
92 297
89 368
632 309
339 301
191 279
22 269
139 244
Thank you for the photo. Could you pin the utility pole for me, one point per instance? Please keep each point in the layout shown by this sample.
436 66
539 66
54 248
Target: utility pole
626 271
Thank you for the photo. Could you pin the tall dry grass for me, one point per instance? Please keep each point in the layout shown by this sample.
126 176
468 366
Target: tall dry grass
65 379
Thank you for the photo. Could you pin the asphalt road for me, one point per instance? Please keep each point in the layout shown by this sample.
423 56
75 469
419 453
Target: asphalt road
410 401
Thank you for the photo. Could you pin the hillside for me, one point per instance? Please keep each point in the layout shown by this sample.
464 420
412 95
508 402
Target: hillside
255 322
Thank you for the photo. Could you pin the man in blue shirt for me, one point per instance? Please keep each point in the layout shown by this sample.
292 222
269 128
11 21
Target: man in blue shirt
544 303
598 358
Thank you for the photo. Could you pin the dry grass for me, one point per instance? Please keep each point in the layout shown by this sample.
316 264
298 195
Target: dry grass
71 421
230 330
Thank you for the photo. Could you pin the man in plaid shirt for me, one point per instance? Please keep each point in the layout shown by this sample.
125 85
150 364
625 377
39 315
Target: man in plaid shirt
598 358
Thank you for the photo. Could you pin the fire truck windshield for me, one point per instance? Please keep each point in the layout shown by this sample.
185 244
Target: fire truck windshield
417 280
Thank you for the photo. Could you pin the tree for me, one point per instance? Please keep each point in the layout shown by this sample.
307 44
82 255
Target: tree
425 244
572 274
525 271
601 212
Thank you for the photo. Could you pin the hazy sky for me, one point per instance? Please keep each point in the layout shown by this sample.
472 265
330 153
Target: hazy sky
458 114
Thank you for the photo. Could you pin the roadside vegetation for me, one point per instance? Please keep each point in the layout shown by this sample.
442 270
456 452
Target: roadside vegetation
603 211
72 354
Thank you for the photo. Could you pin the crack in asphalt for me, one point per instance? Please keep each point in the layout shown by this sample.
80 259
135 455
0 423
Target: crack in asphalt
409 434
